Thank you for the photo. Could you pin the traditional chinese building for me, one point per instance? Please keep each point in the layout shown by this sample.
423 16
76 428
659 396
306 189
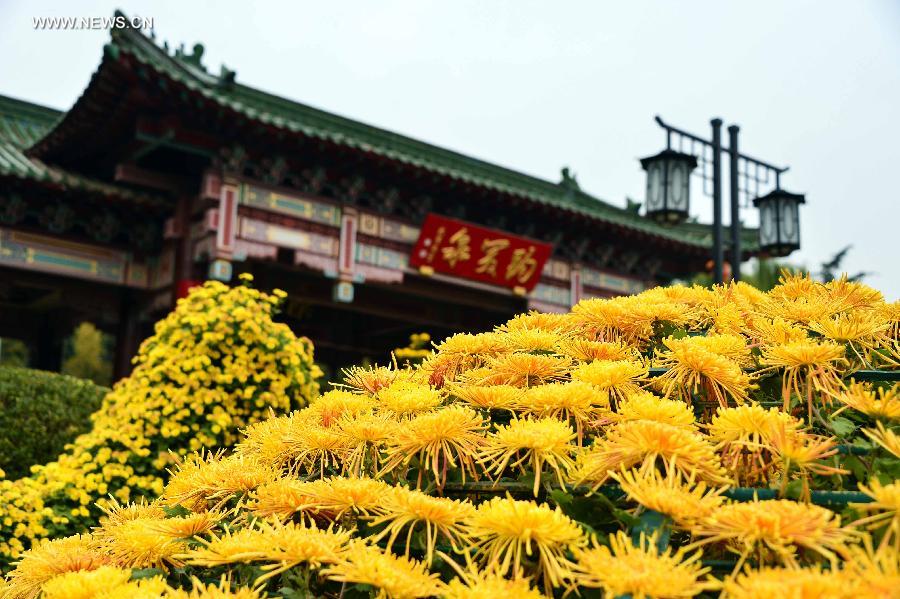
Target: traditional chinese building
164 174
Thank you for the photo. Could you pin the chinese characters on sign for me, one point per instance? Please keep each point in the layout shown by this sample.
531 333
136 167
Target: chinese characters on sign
465 250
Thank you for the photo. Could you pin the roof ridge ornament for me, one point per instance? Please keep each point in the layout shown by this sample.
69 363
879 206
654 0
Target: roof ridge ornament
569 179
226 76
194 58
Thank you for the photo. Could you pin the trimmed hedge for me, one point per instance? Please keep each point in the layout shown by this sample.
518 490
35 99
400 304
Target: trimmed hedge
39 413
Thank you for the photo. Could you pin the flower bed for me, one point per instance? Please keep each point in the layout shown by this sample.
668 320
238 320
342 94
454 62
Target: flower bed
215 365
676 443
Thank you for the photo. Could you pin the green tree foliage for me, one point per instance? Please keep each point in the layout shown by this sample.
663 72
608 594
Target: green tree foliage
53 408
765 273
831 269
13 352
89 358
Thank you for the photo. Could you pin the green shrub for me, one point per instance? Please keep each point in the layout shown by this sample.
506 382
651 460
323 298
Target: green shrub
88 355
39 413
13 352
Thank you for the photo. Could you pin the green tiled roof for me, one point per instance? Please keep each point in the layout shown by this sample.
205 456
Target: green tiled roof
294 117
300 118
21 125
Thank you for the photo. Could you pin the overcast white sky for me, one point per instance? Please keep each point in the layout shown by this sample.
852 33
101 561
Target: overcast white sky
531 85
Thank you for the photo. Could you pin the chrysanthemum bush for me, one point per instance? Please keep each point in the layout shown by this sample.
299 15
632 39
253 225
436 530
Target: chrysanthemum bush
215 365
677 443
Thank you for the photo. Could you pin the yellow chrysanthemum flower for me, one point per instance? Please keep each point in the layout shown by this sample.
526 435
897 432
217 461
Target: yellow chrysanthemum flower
692 367
684 501
801 310
443 439
138 544
618 378
525 370
882 404
585 350
808 366
117 513
529 340
329 407
266 440
577 401
790 582
504 532
802 452
104 583
727 319
884 437
731 346
314 449
285 546
339 495
531 443
640 571
395 577
459 353
541 321
231 547
474 584
491 397
365 435
862 331
371 380
875 572
631 318
281 498
223 590
185 527
794 285
407 509
215 478
851 295
484 344
649 445
886 505
52 558
776 331
695 295
407 399
774 530
750 425
743 439
644 405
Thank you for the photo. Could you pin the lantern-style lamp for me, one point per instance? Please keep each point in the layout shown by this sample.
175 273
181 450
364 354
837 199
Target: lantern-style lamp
669 185
779 222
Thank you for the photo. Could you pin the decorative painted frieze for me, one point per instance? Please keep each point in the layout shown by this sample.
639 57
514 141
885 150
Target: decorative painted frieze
53 255
307 209
606 281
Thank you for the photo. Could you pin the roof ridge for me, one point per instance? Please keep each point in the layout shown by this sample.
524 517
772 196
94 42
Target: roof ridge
149 44
279 102
22 122
10 106
406 139
297 118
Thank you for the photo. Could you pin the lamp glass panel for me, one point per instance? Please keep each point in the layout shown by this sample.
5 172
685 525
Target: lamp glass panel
790 232
677 188
768 228
654 187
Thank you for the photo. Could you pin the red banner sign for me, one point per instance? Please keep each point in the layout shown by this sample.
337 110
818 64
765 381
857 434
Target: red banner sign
465 250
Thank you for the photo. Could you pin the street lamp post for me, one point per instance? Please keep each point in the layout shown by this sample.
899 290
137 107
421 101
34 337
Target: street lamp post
779 209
